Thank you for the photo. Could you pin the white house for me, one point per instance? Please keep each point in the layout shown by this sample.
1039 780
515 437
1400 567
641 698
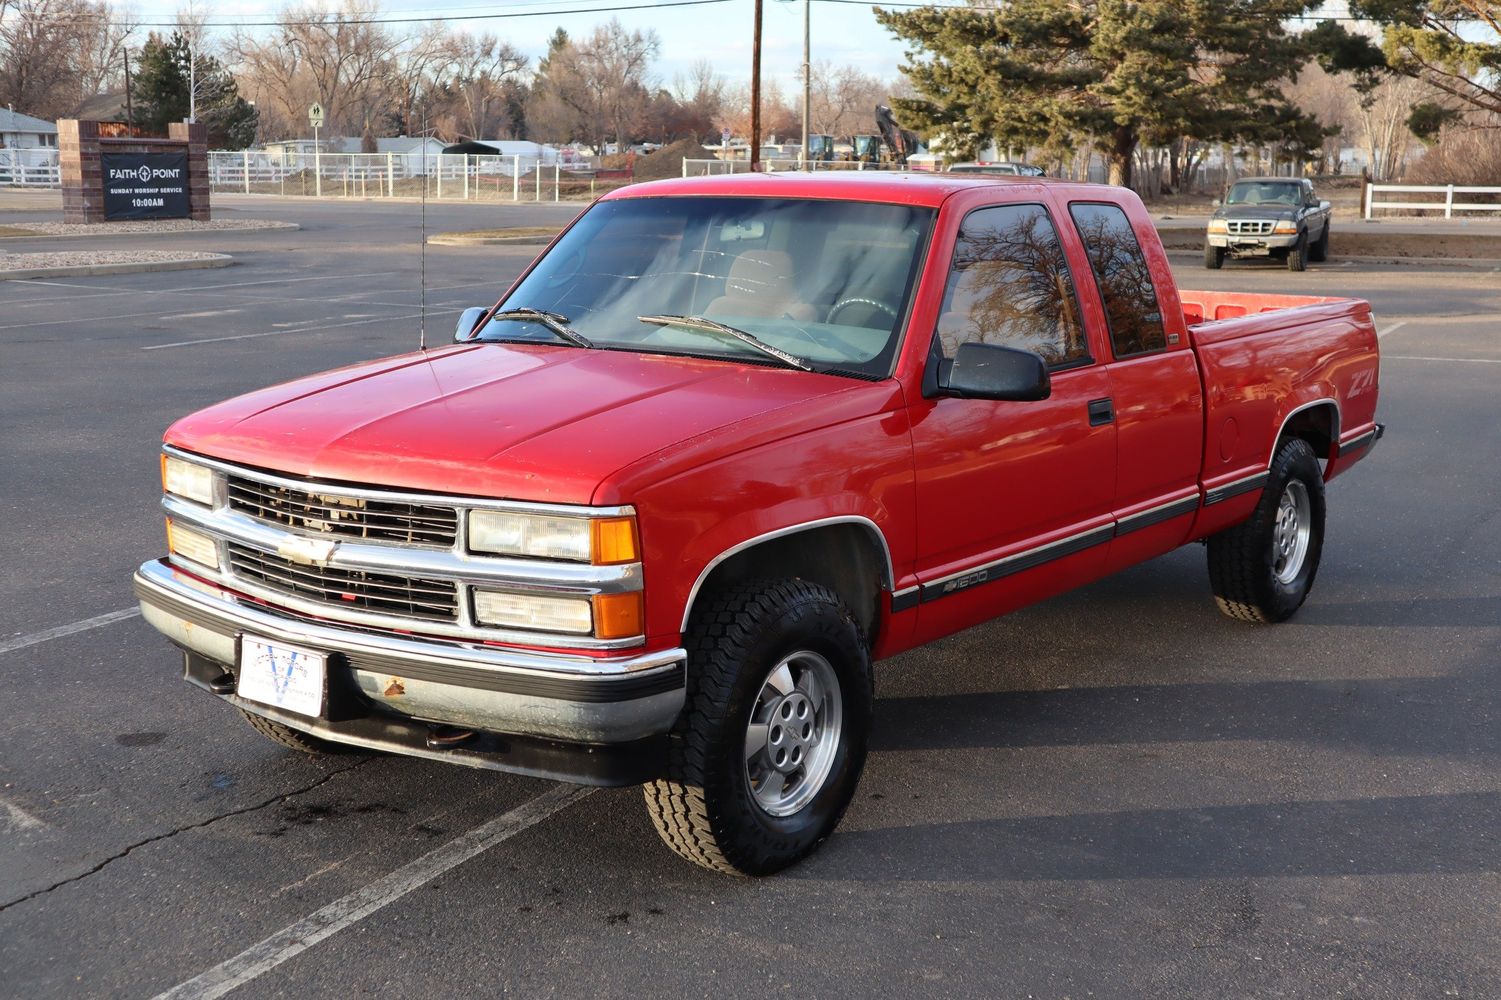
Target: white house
18 131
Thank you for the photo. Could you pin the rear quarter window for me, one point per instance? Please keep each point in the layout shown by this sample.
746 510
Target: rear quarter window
1125 281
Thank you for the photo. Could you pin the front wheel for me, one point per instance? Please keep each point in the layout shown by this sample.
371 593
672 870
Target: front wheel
1297 254
1320 250
1263 569
770 745
1214 257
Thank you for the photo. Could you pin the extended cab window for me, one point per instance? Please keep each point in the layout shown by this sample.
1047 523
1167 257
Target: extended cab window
1010 285
1125 281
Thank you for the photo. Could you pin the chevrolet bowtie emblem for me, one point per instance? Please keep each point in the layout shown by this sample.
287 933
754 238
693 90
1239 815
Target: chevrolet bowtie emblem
307 551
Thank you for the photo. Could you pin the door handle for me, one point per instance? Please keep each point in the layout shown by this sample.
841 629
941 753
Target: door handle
1101 411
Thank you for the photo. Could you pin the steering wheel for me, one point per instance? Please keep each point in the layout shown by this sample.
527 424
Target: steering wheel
871 303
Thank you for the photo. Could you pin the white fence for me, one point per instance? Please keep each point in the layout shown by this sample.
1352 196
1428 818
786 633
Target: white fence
464 177
1445 203
29 167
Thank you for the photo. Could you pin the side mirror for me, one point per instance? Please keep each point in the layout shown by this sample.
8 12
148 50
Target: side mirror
1215 203
467 321
1323 206
989 371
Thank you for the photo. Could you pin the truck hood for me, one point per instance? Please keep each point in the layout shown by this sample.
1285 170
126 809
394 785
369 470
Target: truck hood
533 422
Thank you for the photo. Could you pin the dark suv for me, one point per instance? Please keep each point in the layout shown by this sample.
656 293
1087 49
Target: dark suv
1277 217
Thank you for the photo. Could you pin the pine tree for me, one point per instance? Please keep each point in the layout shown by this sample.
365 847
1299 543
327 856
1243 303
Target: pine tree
161 93
1113 73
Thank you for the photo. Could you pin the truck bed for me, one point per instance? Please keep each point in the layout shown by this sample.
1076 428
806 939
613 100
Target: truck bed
1265 359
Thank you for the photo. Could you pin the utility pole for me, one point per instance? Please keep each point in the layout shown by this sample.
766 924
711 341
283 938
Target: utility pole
807 78
130 115
755 136
192 65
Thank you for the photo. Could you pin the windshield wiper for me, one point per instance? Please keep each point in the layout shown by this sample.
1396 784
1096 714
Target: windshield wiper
710 326
555 322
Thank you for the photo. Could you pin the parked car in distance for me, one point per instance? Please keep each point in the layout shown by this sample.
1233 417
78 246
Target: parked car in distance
1005 168
1277 217
728 441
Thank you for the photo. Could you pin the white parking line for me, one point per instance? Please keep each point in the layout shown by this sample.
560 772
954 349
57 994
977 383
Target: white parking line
1466 361
17 818
202 315
277 333
291 941
21 642
1391 329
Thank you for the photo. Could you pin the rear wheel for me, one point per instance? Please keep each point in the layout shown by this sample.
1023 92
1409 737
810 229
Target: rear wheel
1214 257
1297 255
766 756
1263 569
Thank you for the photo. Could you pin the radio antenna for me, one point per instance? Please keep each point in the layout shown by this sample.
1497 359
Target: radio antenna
422 255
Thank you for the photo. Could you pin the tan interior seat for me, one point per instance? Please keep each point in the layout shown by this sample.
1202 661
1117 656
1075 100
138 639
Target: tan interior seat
760 284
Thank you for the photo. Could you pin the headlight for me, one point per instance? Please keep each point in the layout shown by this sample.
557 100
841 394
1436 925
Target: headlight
192 545
1218 226
544 614
603 541
187 480
1286 227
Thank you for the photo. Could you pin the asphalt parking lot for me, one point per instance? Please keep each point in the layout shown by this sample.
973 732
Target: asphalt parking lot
1118 793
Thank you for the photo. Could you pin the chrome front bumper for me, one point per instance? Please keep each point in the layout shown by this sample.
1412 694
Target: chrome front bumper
1252 244
576 699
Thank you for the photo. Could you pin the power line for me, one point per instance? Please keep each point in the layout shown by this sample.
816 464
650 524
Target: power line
338 19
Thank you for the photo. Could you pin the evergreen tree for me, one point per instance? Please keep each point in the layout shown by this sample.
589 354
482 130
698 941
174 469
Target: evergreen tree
1114 73
161 93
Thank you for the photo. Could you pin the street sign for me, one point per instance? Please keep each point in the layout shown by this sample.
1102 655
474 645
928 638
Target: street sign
315 116
724 137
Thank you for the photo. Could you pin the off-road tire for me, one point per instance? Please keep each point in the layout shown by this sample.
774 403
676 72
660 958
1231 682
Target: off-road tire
704 808
1241 559
1214 257
1319 252
1297 254
292 739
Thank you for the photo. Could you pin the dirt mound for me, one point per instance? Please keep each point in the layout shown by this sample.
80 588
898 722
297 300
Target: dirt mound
668 161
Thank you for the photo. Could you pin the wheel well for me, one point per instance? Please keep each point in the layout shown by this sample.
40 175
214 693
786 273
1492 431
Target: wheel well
846 558
1318 425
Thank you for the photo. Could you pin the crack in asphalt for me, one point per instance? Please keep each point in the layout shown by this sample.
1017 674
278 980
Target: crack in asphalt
95 869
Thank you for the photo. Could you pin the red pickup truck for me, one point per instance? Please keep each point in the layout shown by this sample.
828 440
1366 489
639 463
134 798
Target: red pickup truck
651 518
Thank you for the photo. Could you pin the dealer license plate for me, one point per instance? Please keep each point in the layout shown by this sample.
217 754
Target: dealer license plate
281 676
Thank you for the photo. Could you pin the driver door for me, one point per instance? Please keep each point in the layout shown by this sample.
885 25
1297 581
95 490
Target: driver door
1013 498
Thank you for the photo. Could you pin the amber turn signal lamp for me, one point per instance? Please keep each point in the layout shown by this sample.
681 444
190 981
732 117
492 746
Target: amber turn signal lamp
614 541
619 616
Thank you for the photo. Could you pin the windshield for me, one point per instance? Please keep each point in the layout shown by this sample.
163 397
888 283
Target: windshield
1265 193
824 281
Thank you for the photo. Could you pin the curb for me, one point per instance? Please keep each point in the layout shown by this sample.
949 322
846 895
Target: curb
490 241
95 270
280 227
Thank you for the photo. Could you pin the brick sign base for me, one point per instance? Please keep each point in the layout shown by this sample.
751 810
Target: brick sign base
81 144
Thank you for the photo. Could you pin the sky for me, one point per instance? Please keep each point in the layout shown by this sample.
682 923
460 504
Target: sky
843 34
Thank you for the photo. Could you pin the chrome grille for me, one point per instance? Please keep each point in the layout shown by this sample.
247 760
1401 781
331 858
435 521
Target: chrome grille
382 593
1250 227
328 513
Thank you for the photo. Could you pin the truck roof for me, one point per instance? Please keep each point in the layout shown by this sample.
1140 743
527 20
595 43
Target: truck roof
927 189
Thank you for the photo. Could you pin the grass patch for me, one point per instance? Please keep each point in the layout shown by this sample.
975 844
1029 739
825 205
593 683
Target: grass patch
15 231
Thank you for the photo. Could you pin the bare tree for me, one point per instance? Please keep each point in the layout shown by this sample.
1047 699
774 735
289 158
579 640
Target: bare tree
844 100
336 57
1383 117
481 66
54 54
